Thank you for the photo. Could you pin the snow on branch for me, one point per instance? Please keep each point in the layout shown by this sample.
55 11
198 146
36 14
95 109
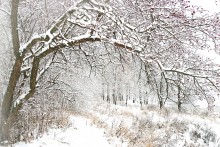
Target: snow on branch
164 69
46 37
49 35
19 100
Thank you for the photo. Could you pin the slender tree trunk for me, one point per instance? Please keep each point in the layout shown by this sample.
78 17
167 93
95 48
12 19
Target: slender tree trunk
114 97
146 98
127 94
179 103
140 96
108 94
103 91
179 99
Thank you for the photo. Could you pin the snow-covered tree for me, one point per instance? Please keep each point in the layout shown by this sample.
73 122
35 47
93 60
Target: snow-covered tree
167 36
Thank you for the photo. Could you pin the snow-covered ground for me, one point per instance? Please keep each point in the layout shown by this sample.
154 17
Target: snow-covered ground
81 133
107 125
149 126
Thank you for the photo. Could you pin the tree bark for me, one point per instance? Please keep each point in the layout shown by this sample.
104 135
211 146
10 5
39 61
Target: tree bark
8 97
15 73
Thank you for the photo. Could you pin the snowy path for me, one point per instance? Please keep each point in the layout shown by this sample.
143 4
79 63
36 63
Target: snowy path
80 134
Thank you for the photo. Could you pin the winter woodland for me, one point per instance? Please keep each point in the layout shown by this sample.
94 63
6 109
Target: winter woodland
145 71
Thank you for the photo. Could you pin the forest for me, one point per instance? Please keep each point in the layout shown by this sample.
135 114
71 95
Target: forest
145 71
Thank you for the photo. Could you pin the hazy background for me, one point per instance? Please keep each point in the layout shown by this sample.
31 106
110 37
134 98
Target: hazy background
5 49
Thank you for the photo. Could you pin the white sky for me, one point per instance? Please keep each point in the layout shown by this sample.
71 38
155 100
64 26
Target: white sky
209 5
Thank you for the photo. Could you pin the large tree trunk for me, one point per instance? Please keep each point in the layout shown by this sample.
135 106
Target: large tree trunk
8 97
15 73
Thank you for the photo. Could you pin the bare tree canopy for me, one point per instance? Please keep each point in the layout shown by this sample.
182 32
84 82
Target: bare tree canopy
167 38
